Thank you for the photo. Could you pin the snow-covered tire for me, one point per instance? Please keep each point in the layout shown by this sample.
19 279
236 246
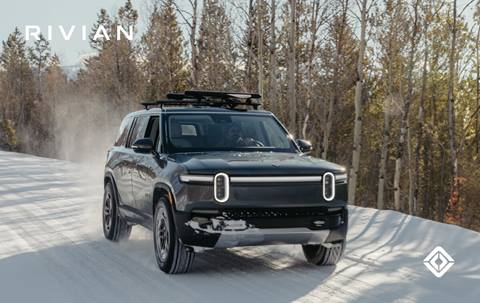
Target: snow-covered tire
322 255
172 256
115 228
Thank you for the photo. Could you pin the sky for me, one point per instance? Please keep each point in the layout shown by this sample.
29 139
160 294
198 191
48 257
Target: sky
77 12
58 12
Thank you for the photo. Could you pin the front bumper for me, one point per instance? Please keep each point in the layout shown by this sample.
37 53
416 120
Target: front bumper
248 227
269 236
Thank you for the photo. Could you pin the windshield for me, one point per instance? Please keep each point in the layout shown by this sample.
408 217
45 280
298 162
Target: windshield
226 132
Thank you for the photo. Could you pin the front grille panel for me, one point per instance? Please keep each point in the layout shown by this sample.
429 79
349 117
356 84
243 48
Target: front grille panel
281 217
273 212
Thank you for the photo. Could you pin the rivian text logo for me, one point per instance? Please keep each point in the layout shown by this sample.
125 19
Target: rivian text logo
438 261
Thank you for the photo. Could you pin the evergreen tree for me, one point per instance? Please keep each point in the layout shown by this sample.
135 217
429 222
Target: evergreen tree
113 73
128 15
18 87
254 45
56 88
39 56
103 20
163 54
216 57
18 84
55 82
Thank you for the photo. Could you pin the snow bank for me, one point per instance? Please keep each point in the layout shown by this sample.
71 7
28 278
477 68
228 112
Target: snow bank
52 250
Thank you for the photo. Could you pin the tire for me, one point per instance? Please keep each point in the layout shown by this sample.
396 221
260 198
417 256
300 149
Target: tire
321 255
172 256
115 228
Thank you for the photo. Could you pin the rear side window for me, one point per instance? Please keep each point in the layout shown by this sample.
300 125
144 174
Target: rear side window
138 131
123 131
153 128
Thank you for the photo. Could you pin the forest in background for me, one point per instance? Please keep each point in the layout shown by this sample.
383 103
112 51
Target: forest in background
388 88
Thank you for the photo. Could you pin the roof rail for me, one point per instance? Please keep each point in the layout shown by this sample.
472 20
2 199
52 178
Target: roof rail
207 98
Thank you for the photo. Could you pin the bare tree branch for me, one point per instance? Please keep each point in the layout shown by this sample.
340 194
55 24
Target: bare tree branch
182 13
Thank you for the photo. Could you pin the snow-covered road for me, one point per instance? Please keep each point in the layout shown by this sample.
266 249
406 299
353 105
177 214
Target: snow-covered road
52 250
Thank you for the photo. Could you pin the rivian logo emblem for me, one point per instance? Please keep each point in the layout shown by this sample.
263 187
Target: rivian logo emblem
438 261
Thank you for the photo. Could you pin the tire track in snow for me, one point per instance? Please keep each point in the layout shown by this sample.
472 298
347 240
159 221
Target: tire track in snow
93 256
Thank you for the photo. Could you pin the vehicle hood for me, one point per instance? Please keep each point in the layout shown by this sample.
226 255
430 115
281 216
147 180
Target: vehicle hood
254 163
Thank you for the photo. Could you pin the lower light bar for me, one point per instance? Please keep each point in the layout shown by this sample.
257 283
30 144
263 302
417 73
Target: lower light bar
196 178
276 179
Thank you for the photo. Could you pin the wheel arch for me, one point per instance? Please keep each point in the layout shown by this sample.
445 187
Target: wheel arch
162 190
108 178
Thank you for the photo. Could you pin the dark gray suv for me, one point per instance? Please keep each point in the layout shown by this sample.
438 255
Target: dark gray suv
208 169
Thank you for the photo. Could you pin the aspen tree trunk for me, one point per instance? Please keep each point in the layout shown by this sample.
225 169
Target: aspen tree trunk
421 116
429 152
334 98
428 167
385 138
329 117
412 203
193 45
451 104
251 31
440 205
311 55
477 118
437 174
291 94
357 131
404 123
387 107
273 96
260 46
383 161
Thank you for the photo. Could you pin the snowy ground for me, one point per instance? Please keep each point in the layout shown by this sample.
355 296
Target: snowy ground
52 250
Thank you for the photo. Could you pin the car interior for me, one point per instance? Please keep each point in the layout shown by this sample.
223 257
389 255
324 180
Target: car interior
204 132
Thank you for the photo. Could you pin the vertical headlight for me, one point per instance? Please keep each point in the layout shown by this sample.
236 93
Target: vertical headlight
328 182
221 187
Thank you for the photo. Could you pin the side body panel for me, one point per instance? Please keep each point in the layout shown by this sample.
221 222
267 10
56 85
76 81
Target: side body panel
121 164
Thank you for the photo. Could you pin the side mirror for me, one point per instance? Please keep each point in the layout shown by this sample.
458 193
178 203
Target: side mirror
305 145
143 146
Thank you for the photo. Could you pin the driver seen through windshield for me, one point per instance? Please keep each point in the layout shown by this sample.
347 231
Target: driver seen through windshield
223 132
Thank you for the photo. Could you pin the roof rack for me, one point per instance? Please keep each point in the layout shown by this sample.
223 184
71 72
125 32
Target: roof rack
207 98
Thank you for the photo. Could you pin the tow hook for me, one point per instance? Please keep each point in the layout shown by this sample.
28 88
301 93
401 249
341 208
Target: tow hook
217 224
221 223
